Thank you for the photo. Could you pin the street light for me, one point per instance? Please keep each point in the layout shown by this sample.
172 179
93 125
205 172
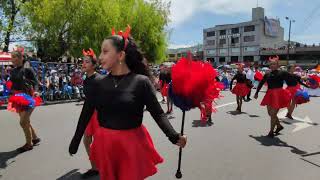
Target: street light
290 21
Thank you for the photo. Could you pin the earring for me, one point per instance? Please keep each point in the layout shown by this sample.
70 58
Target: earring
120 62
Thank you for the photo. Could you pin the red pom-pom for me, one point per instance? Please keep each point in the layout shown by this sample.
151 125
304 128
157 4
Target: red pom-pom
196 81
9 85
258 76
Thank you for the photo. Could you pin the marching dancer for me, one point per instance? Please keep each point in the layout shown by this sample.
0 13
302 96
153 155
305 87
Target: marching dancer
276 97
89 66
122 148
293 82
241 89
24 98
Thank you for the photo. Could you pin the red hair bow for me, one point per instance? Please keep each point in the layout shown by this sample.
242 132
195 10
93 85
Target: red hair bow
276 58
90 52
125 35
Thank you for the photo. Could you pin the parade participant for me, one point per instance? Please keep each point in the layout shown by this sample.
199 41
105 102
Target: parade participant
293 85
241 89
163 86
250 81
276 97
167 81
122 148
24 98
89 67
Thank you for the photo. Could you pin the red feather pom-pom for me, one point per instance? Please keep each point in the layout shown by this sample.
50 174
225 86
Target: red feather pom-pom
196 81
258 76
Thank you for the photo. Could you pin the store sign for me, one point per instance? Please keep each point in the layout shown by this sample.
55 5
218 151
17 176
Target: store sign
229 36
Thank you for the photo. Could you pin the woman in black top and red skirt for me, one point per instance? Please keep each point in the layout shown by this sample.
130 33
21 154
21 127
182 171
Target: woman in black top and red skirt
89 66
24 98
293 85
276 97
241 89
122 148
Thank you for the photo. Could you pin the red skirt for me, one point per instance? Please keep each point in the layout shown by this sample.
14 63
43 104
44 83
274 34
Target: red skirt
21 101
165 89
124 154
293 90
277 98
93 125
241 89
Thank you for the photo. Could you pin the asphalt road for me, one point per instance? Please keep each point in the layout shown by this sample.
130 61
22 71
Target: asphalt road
233 148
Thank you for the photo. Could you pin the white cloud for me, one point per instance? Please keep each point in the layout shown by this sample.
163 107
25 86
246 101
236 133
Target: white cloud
308 38
177 46
182 10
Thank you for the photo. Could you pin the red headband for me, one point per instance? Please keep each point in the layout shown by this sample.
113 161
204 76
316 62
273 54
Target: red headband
276 58
124 35
90 52
19 49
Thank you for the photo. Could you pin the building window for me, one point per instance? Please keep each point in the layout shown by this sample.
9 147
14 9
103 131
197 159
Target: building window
235 30
248 58
211 42
212 33
172 55
211 52
223 51
250 49
222 32
235 50
222 59
222 41
234 59
249 38
234 40
249 28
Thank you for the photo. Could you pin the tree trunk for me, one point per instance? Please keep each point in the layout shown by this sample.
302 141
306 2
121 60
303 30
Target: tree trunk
10 26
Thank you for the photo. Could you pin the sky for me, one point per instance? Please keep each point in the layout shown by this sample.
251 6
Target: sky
188 18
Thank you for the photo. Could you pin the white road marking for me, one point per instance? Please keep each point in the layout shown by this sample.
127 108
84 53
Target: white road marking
298 122
227 104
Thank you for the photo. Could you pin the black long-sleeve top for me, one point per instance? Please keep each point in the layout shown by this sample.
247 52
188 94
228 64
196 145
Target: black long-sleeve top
121 107
293 80
240 77
167 77
23 79
274 79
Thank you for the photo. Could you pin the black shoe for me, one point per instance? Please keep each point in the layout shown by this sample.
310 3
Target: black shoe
209 121
289 116
90 173
279 129
36 141
270 135
24 148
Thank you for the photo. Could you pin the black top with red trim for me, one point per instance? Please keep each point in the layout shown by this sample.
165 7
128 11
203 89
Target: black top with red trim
120 101
23 79
275 79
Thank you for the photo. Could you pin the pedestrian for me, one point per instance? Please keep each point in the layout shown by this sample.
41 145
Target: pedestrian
276 97
24 98
293 85
241 89
122 148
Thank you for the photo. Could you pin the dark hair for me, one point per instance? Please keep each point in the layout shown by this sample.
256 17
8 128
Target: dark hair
134 57
290 66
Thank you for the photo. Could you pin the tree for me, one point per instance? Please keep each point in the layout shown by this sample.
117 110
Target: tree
12 22
61 26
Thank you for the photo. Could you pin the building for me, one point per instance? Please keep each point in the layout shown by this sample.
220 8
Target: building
175 54
242 42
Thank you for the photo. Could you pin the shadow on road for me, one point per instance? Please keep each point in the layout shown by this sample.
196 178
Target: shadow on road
75 175
266 141
199 123
5 157
235 113
310 162
310 154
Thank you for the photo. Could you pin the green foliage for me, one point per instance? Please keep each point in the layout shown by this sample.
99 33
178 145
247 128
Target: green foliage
61 26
